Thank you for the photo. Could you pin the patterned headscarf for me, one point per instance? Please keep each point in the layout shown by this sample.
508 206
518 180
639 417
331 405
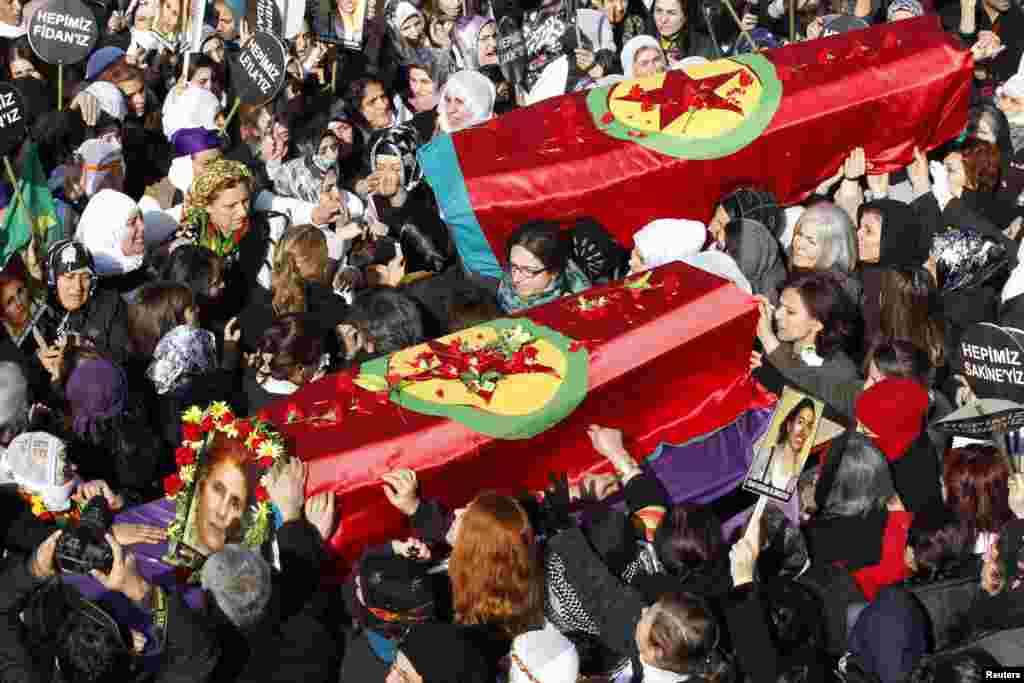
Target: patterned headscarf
219 175
964 259
182 354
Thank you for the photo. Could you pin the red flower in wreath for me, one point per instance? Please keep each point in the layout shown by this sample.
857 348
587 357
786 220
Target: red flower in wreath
261 494
257 440
172 485
265 462
184 456
191 432
244 428
207 424
226 417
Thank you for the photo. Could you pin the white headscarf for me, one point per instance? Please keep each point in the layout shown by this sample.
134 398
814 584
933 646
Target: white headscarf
475 90
194 108
669 239
103 228
630 49
99 159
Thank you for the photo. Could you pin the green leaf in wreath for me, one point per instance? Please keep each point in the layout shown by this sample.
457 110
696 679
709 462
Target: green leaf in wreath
642 282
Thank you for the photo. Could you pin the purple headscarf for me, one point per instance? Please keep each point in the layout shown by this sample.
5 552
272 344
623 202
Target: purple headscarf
97 389
195 140
466 39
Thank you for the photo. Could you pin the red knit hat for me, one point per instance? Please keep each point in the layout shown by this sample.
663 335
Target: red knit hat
894 410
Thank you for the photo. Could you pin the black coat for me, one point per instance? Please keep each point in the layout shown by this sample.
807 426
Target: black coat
189 651
103 321
292 642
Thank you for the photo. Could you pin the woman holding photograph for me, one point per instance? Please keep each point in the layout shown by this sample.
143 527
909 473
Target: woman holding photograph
779 465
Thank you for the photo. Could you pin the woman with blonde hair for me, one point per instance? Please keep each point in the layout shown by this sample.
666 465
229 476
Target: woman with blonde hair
298 284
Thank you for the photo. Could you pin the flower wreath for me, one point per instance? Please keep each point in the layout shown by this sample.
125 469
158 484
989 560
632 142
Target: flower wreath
198 428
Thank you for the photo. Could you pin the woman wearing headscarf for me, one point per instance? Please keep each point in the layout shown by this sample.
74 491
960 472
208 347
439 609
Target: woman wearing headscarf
185 371
407 28
664 241
111 438
404 203
113 230
425 78
757 253
96 316
218 216
643 56
466 100
474 42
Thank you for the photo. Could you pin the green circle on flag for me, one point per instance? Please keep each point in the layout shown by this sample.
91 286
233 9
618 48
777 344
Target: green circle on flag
705 111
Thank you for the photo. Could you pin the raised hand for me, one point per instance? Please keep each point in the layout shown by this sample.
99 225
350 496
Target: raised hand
400 487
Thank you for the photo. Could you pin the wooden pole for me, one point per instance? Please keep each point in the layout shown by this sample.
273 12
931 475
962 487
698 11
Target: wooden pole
60 87
792 21
334 74
739 24
231 114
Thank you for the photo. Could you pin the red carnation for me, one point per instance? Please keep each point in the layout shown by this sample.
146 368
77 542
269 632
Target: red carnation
226 417
261 494
207 424
530 351
184 456
266 462
607 118
745 79
172 485
256 441
191 432
244 428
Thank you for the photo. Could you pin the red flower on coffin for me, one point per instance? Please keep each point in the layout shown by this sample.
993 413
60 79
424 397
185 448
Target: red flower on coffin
172 484
244 428
191 432
261 494
184 456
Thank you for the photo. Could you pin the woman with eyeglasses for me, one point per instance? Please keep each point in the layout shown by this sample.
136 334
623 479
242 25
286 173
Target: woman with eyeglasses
539 269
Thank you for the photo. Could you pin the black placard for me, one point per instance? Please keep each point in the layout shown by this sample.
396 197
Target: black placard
63 32
259 69
993 361
265 15
981 424
13 129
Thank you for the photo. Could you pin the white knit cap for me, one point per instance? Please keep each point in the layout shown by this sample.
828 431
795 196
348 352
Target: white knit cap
547 655
669 239
630 49
1013 87
38 463
403 11
110 98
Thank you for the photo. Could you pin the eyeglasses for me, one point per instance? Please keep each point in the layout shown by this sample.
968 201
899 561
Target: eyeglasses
514 268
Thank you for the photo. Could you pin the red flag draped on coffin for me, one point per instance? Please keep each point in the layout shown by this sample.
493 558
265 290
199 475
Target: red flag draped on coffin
671 145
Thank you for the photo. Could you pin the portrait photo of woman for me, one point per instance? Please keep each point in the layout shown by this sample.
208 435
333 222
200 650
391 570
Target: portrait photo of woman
784 449
224 493
342 21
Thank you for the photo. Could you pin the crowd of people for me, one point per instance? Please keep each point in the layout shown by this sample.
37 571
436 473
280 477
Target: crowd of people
200 255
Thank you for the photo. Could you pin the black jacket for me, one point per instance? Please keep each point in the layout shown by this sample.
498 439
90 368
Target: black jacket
292 643
189 651
103 321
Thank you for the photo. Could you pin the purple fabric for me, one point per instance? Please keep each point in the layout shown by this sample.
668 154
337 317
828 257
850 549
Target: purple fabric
96 389
147 557
703 471
189 141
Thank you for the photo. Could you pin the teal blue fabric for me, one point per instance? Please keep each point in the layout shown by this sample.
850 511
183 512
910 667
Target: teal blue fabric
442 171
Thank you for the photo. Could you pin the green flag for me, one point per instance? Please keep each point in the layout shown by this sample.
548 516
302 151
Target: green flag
31 210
